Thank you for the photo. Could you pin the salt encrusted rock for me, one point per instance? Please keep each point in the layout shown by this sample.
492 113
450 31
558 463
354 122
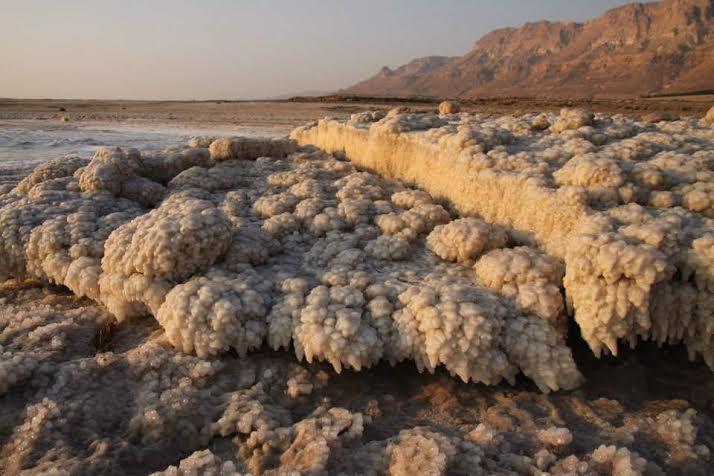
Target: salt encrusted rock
222 176
408 199
540 122
555 436
572 119
108 170
332 328
210 314
271 205
531 278
315 436
543 185
201 141
15 367
413 222
57 168
367 116
68 249
631 272
601 177
285 314
167 245
449 107
709 118
618 461
250 245
624 275
389 247
56 198
465 239
203 463
247 148
166 165
417 454
421 451
182 405
454 326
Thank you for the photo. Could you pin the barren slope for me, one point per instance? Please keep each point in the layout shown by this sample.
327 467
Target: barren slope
635 49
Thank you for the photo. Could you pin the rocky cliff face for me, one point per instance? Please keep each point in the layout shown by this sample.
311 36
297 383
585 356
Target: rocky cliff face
640 48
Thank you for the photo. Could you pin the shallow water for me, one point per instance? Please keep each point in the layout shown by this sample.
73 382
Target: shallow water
24 144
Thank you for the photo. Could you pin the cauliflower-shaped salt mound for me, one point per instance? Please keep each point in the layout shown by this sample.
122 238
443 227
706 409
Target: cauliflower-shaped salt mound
115 170
408 199
108 170
68 249
459 327
250 245
528 276
618 461
465 239
285 314
210 314
281 225
475 337
15 367
389 247
202 142
275 204
250 411
222 176
698 197
418 454
315 436
413 222
449 107
601 177
248 148
555 436
203 463
609 281
540 122
419 450
367 117
709 118
143 258
57 168
163 167
332 327
541 353
573 119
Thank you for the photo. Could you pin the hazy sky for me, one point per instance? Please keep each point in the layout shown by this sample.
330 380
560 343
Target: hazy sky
239 49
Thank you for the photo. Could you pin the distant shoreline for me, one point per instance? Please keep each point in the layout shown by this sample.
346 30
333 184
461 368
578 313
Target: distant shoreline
302 109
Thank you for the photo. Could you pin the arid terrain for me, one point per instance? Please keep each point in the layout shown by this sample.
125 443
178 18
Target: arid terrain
236 305
636 49
282 116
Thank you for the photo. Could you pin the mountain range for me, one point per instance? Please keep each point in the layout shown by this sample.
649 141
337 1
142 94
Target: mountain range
637 49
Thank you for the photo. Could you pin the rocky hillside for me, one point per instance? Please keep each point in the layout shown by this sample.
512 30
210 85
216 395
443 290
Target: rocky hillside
640 48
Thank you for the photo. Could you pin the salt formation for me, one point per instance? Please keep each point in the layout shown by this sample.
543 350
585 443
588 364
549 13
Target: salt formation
623 207
233 245
531 278
268 414
465 239
449 107
229 249
248 149
709 118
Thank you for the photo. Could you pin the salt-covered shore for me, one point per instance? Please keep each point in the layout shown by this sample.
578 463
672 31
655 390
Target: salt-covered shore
236 303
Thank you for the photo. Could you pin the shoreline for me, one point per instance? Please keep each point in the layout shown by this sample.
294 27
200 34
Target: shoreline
300 110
